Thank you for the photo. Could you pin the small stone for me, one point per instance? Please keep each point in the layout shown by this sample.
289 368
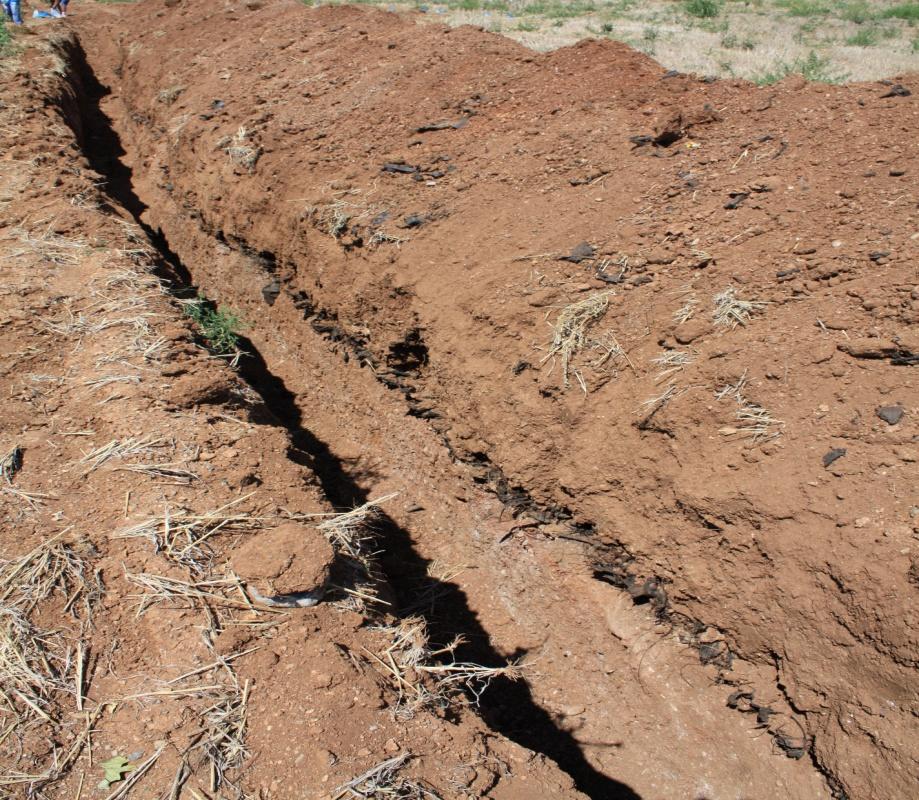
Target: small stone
833 455
582 252
691 330
391 746
890 414
897 173
862 522
907 455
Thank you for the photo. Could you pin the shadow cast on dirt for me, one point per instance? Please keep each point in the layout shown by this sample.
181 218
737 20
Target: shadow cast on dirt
507 707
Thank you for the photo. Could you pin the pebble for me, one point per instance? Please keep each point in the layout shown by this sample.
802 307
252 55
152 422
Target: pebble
890 414
833 455
861 522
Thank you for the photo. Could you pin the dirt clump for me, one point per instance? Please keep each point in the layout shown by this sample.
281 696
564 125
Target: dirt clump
291 561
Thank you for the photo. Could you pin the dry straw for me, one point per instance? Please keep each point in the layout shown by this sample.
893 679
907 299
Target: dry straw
570 331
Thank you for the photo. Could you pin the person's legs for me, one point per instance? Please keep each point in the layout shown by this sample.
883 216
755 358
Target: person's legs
11 7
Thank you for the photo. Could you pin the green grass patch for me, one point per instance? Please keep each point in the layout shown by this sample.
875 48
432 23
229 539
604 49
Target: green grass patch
527 26
219 327
914 45
704 9
858 12
813 67
6 41
804 8
731 41
907 11
555 9
864 37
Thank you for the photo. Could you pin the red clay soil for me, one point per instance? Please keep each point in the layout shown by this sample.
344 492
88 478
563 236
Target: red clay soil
701 538
146 490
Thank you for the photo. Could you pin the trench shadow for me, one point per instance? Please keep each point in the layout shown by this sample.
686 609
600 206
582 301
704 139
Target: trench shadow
507 707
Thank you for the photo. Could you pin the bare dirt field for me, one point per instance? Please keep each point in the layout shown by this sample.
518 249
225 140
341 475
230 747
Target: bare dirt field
392 410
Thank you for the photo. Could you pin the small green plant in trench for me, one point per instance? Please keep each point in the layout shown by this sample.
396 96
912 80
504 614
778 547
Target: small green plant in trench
219 327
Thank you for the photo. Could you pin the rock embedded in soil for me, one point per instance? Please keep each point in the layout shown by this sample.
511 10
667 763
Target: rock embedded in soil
890 414
833 455
582 252
287 565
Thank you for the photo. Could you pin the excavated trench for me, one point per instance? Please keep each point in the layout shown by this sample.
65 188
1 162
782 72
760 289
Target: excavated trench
509 707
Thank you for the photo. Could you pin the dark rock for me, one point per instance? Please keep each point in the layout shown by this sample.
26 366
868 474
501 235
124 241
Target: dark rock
270 291
833 455
736 199
462 122
877 255
583 252
890 414
399 167
897 90
413 221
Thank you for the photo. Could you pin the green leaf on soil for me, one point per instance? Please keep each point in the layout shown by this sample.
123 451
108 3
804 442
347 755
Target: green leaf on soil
115 769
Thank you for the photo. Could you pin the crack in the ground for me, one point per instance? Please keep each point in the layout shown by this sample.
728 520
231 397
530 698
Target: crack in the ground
508 707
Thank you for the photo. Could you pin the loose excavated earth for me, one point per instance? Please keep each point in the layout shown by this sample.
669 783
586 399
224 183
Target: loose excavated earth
630 358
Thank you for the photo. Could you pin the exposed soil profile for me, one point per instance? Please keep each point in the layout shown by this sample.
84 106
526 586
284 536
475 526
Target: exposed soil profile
565 444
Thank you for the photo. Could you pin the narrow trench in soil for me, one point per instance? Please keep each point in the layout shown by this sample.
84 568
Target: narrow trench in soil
508 707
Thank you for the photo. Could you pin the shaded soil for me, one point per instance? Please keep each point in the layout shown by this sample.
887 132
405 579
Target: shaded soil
704 545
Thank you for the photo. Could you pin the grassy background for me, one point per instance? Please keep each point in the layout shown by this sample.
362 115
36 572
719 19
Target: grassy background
761 40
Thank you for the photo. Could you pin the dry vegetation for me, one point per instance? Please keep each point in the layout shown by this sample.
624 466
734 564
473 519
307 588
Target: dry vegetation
760 40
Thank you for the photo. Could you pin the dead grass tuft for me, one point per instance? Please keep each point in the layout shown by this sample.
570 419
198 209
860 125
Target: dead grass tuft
570 332
670 362
352 536
50 246
730 310
382 781
182 536
241 153
756 422
50 568
224 724
411 666
120 449
686 311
